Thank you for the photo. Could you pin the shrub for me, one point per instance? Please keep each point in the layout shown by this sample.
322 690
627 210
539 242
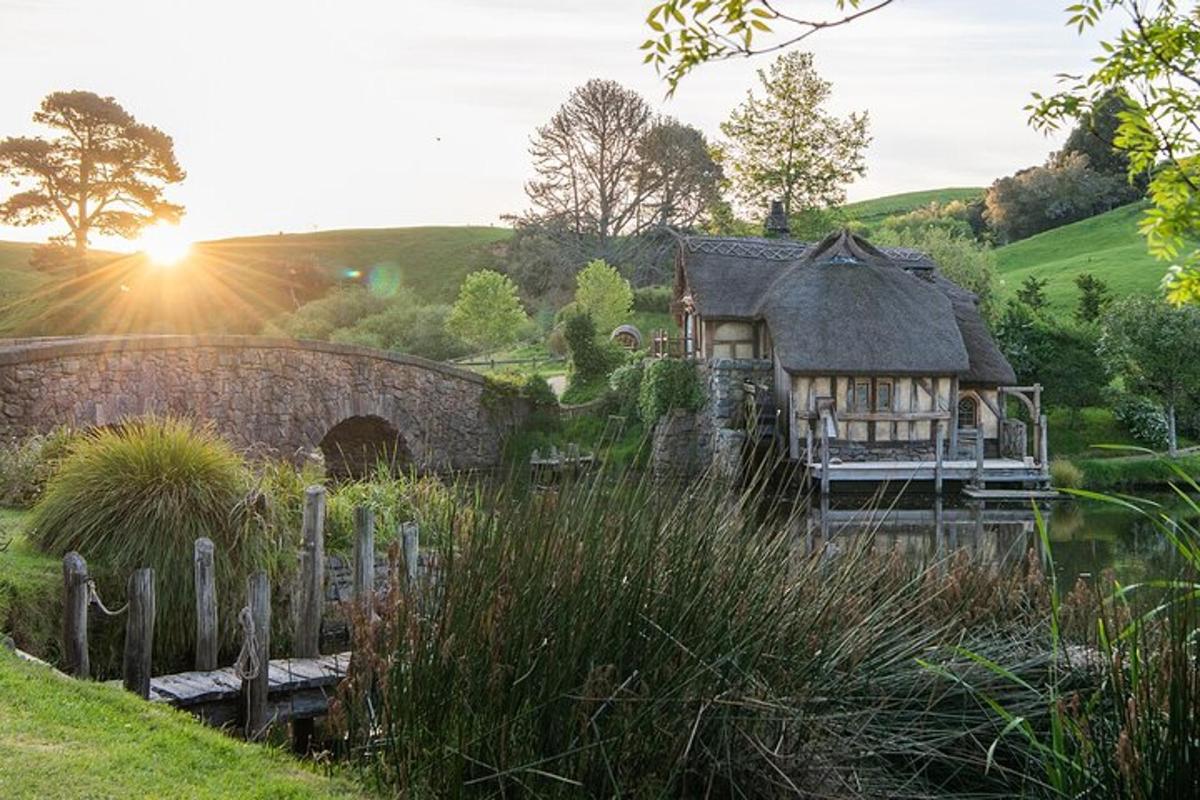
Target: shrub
590 358
139 496
653 299
1061 356
667 384
27 465
1143 418
536 389
1065 475
626 386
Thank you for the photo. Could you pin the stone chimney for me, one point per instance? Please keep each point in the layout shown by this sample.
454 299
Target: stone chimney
776 226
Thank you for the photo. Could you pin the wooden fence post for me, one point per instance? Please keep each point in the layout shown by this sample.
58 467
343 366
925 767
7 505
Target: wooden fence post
139 632
206 605
978 458
312 575
410 535
75 617
258 600
364 556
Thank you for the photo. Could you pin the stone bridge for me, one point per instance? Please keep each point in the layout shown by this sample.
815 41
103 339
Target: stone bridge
275 397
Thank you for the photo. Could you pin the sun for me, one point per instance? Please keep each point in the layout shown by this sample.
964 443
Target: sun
165 245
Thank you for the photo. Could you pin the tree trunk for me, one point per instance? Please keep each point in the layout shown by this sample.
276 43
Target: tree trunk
1172 441
81 248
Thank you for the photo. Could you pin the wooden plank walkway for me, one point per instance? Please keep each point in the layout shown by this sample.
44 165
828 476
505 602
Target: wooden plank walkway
298 688
994 469
977 493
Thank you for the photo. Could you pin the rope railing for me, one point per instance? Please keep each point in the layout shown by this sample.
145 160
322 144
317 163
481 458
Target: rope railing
94 599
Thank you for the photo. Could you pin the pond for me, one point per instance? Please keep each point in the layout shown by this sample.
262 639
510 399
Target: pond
1086 537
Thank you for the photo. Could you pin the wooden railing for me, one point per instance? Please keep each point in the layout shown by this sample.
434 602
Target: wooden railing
663 345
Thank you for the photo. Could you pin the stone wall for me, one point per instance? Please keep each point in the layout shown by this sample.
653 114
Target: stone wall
686 444
276 396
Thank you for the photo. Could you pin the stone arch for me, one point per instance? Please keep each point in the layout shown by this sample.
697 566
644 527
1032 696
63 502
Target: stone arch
355 445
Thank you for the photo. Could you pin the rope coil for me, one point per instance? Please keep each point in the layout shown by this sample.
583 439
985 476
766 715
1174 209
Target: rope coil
247 665
94 599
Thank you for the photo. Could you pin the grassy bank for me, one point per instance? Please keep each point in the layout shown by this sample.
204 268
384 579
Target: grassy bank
30 589
1125 473
61 738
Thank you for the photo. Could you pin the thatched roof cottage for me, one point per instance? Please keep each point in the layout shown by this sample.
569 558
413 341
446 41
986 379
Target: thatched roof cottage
872 347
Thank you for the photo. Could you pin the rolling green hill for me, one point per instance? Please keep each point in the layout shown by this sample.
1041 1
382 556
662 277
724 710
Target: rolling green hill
1108 246
876 209
432 261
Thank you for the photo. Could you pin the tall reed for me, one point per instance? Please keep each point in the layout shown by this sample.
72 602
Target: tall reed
618 638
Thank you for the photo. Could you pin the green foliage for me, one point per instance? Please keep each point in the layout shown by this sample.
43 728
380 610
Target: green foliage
26 466
339 310
1144 419
67 739
875 211
1151 347
685 35
1094 297
1060 356
139 496
488 314
1137 472
669 384
531 387
1033 292
783 144
604 295
955 220
653 299
1037 199
959 258
626 386
592 359
1065 475
1151 65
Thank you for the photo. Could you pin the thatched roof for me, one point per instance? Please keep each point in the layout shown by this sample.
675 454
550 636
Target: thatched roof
844 306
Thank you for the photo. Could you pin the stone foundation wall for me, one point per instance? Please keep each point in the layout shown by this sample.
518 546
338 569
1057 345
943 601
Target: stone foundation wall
881 451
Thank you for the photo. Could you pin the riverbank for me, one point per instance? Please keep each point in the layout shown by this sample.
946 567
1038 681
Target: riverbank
1140 472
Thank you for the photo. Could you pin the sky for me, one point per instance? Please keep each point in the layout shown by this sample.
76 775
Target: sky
297 115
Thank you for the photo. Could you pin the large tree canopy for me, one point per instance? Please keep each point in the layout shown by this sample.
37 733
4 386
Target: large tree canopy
1153 66
103 171
783 145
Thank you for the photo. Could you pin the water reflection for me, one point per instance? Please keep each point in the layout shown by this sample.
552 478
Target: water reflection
1086 538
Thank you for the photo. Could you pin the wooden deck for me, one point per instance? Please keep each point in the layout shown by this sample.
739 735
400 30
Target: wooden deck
995 470
299 688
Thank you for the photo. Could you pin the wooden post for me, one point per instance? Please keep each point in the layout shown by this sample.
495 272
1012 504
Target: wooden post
258 600
1043 444
364 556
139 632
940 445
824 455
979 457
410 535
206 605
312 575
75 617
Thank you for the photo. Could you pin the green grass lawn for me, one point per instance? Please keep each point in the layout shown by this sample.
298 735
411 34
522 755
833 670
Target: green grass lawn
1108 246
61 738
876 209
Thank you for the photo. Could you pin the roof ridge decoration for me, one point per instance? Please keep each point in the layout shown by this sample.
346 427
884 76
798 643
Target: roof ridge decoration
788 250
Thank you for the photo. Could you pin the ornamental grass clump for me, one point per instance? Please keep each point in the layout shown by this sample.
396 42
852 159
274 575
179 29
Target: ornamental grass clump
621 638
139 495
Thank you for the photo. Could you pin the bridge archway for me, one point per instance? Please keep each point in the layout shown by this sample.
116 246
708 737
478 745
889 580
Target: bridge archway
355 446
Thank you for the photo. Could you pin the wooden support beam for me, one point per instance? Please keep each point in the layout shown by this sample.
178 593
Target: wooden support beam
1043 444
939 447
75 616
978 479
255 689
206 605
139 632
824 457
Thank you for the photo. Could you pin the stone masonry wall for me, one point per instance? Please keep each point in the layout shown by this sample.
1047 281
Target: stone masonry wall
272 395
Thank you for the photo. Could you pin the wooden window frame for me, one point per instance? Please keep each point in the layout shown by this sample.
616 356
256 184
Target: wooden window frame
891 394
855 401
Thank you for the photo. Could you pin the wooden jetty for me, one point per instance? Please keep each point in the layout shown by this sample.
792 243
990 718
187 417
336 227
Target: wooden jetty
257 691
297 688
